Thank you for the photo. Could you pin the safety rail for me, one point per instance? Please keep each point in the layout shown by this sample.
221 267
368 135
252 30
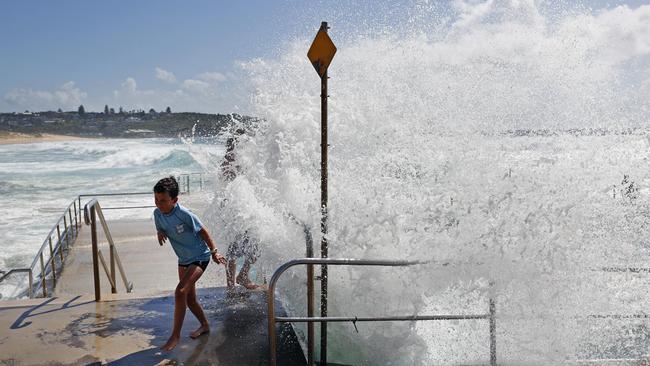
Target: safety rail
66 229
185 179
92 210
184 185
272 319
116 195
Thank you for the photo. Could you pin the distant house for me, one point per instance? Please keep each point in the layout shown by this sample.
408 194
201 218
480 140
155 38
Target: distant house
133 119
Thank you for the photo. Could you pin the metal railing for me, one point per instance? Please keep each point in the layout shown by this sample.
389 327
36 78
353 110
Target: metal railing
184 181
272 319
117 195
92 211
52 253
55 247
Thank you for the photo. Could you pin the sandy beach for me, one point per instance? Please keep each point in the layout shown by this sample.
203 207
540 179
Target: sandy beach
7 138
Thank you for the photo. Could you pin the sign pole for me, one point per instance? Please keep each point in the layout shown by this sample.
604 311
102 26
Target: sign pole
323 202
320 55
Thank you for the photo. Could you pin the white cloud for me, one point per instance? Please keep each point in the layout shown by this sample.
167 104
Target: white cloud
130 97
190 95
622 33
68 96
197 86
129 86
165 75
211 77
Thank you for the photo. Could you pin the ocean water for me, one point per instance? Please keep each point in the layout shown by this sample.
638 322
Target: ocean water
506 142
39 180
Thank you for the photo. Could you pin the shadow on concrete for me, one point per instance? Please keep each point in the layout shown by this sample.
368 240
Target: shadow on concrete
30 313
238 334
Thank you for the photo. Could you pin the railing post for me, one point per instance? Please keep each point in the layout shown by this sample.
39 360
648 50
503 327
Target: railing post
76 220
31 284
58 235
111 254
43 276
310 296
70 215
65 229
493 333
53 259
93 235
271 315
188 184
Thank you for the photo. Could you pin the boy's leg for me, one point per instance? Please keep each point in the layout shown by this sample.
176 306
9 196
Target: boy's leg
230 274
242 277
188 277
196 309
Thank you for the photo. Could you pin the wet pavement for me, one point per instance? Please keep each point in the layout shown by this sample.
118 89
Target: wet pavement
126 330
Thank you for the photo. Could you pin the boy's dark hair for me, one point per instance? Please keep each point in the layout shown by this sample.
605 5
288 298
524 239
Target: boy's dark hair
169 185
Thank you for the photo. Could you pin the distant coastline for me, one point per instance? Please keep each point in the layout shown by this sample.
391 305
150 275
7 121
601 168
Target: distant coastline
10 138
41 126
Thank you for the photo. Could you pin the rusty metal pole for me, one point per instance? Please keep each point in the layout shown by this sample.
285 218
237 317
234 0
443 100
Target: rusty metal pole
53 259
76 220
493 333
58 235
111 255
310 297
323 202
271 324
93 235
71 226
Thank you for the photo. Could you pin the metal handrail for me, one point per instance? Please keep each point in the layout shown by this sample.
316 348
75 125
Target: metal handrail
48 267
70 220
20 270
272 319
92 210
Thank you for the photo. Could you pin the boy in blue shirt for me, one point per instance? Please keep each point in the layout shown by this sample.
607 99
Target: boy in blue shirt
193 246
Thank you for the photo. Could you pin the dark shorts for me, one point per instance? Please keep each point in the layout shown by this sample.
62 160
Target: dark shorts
202 264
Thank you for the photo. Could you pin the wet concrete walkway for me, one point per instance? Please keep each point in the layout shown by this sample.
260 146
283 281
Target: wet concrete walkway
128 329
125 330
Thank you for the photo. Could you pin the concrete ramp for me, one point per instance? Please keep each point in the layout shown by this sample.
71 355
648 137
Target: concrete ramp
152 268
125 330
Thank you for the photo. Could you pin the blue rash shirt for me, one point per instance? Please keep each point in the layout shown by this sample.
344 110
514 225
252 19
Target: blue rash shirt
182 229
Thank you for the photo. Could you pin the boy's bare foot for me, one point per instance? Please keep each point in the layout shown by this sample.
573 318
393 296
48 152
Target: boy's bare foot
171 343
247 283
200 331
231 291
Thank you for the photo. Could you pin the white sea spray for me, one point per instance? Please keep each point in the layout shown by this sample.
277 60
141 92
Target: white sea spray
496 148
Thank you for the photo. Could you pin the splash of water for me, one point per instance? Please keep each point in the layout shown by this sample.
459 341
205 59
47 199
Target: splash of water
496 145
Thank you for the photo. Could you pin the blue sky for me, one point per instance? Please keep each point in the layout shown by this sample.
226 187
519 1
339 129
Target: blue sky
56 54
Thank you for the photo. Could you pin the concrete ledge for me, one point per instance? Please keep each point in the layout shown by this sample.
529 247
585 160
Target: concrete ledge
129 331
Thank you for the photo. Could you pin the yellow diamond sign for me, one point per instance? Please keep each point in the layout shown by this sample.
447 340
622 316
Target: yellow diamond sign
321 52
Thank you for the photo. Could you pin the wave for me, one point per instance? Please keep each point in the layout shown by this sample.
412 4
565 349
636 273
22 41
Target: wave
413 173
